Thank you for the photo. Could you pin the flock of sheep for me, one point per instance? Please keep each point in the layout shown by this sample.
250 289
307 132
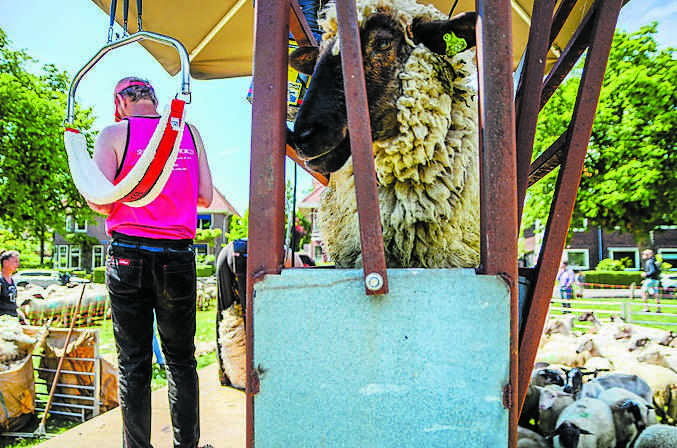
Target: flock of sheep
605 388
56 303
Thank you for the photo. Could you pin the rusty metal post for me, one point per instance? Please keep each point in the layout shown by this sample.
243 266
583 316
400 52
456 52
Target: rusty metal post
498 161
567 182
573 51
528 96
371 236
298 25
266 197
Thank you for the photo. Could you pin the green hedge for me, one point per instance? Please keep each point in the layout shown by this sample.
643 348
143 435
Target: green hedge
205 270
623 278
99 275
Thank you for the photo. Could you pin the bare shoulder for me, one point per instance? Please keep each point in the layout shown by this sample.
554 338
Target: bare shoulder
193 130
114 132
113 137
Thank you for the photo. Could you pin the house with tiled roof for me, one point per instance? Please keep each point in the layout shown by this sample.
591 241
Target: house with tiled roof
72 253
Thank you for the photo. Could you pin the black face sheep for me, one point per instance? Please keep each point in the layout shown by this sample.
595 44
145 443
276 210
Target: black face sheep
587 423
423 114
545 376
574 381
630 413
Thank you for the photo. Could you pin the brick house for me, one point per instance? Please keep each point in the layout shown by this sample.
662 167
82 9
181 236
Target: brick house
67 255
308 207
587 248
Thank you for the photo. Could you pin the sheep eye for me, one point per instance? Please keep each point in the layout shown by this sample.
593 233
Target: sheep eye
383 44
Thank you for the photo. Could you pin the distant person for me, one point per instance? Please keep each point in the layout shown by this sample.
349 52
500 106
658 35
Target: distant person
579 283
151 267
651 282
10 263
565 279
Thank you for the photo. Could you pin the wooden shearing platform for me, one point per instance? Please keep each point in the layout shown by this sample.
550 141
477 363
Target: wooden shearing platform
222 420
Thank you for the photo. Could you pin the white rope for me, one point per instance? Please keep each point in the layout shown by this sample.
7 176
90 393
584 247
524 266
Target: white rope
96 188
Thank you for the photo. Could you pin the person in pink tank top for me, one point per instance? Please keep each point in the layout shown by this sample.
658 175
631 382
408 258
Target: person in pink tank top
151 267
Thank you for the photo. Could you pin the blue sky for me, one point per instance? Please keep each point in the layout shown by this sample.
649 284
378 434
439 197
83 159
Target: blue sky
67 33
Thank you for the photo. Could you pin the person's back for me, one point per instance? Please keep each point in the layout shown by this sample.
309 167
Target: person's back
151 266
651 282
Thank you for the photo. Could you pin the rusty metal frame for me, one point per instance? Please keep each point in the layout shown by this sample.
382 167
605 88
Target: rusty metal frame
266 177
530 85
602 23
571 54
368 209
498 249
500 171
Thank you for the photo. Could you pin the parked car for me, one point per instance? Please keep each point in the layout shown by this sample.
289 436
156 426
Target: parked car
44 278
307 261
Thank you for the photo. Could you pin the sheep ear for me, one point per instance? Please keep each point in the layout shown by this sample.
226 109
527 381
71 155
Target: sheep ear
303 59
584 431
432 34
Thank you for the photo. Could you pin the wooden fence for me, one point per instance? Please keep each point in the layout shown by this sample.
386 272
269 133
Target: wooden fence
629 311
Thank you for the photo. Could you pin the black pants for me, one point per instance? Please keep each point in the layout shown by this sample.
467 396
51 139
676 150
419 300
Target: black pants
145 275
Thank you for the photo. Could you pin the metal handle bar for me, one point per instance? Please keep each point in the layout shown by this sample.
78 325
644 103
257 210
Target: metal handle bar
141 35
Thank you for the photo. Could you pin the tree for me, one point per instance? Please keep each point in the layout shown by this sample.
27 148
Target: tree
35 182
628 180
238 226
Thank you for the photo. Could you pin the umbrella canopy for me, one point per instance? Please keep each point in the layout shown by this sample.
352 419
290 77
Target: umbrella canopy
219 34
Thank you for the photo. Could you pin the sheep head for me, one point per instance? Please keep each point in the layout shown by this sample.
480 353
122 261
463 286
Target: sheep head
388 36
569 433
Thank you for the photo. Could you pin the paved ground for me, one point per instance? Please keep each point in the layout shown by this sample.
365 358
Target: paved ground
222 420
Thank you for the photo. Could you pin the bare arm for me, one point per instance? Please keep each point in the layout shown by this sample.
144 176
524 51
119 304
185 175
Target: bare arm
107 153
205 188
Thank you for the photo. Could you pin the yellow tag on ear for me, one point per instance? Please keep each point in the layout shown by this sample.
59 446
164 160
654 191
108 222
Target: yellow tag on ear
454 44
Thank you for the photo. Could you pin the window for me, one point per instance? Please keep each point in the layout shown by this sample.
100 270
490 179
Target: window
631 253
669 256
74 261
61 261
98 258
577 258
80 226
69 223
204 222
317 252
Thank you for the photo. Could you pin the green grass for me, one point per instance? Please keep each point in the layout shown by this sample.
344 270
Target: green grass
206 331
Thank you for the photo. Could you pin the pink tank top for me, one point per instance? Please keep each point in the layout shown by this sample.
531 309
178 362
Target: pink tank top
173 214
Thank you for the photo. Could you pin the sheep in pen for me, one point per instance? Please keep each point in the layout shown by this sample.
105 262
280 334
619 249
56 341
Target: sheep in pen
423 113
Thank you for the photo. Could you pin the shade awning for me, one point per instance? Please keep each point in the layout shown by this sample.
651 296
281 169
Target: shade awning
219 34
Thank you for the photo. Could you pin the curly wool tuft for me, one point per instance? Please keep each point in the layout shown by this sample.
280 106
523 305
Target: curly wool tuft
427 174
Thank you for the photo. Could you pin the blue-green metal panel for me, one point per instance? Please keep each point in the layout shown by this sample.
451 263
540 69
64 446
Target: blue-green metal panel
423 366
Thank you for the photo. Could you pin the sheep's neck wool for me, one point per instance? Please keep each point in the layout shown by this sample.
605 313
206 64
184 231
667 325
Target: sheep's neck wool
428 176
